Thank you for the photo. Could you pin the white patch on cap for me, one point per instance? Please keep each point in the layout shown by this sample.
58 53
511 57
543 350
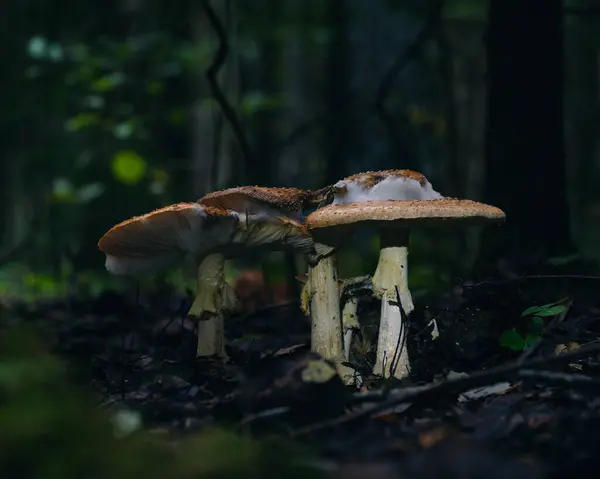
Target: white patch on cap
392 188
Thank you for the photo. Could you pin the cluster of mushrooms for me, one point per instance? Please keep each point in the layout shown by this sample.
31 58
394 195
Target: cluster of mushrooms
229 223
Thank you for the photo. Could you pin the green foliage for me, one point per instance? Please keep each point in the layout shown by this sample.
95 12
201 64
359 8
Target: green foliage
512 339
49 429
550 309
517 341
128 167
21 282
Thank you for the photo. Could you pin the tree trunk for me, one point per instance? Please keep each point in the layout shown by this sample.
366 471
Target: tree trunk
582 97
525 146
339 129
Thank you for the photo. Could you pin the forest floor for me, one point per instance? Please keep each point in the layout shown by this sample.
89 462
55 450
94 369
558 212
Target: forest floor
473 407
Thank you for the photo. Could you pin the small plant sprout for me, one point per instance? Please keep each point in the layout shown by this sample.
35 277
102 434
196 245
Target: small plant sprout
517 341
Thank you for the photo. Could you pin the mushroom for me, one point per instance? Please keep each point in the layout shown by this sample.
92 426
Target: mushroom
393 220
164 237
395 187
267 200
270 201
318 293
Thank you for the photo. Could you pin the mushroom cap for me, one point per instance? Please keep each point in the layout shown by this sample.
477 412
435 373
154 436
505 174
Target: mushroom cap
157 239
273 233
383 185
403 214
368 179
161 238
258 199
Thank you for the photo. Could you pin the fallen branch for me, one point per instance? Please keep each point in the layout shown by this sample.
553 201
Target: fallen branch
395 397
531 277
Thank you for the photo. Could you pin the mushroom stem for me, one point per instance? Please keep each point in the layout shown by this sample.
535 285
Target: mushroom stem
322 294
326 331
214 298
391 273
349 323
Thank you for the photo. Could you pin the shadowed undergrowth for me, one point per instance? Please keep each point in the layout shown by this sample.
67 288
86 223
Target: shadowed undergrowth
50 428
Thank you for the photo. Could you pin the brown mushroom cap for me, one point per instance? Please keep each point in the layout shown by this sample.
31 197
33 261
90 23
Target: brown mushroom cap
258 199
404 214
161 237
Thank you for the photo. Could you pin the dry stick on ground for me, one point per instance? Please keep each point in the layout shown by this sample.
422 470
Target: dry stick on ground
431 22
395 397
533 276
402 338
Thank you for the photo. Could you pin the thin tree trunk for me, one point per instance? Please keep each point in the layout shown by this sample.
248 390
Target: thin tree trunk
582 128
525 146
338 128
213 154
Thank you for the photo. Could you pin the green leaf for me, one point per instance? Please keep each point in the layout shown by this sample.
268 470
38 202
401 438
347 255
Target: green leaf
551 311
531 310
62 191
108 82
128 167
512 339
80 122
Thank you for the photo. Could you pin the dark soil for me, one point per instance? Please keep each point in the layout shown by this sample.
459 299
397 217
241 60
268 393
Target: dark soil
536 415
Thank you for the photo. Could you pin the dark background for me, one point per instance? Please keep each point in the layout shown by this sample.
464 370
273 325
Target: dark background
107 113
111 109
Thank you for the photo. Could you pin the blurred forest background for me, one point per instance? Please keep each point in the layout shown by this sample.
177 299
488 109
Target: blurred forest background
108 111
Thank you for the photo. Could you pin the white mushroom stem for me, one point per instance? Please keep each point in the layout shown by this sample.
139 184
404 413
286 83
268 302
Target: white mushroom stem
321 295
326 331
391 274
349 323
214 299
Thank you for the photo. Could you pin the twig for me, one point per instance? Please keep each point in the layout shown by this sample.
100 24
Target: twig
477 379
402 337
212 73
269 413
559 379
431 23
535 276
